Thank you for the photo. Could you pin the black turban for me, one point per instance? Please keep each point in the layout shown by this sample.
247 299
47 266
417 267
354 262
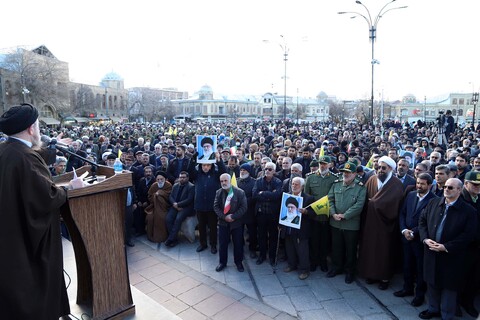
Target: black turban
161 173
206 140
291 200
18 118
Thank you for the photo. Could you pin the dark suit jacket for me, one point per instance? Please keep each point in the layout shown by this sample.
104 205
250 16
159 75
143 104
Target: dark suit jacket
445 269
408 181
409 215
238 207
186 198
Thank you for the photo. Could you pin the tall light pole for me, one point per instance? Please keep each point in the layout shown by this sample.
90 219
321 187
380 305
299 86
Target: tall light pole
285 59
285 50
474 101
372 28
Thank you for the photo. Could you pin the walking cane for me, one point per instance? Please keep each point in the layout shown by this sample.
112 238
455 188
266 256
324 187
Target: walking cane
274 267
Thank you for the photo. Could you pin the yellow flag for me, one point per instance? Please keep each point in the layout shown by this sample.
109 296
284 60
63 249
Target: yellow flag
175 131
321 206
370 163
231 135
322 152
119 153
234 180
170 130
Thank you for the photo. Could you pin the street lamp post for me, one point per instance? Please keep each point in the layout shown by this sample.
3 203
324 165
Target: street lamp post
285 59
372 28
474 101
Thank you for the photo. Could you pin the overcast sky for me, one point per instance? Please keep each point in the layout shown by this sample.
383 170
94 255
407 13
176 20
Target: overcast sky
428 49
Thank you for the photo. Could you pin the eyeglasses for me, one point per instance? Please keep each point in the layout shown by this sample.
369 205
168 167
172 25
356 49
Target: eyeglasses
268 169
450 187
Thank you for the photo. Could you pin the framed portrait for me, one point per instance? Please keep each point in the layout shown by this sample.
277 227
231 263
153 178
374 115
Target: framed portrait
409 157
289 214
206 146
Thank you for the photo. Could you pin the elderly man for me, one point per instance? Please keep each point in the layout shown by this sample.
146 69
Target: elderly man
267 192
446 226
73 161
296 240
230 205
346 198
30 241
379 238
59 166
207 149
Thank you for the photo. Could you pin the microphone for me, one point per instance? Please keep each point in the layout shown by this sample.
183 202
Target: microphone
51 142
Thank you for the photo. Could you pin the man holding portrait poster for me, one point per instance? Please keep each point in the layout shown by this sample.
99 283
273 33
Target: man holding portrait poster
295 228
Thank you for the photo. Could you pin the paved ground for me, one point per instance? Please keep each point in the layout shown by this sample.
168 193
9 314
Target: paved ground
179 283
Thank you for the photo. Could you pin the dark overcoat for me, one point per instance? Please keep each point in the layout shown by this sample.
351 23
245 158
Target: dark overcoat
31 267
442 269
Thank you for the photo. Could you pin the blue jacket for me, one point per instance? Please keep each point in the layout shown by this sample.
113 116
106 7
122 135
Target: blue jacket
409 216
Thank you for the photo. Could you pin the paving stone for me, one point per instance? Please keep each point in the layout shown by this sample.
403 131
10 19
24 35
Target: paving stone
314 315
290 279
197 294
323 290
269 285
154 270
146 286
281 302
339 309
235 311
167 278
260 307
175 305
214 304
302 300
135 278
244 287
227 291
191 314
180 286
143 263
259 316
361 302
160 295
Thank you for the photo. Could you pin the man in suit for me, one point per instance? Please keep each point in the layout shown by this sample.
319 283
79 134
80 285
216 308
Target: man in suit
413 205
446 226
402 173
181 199
230 205
442 173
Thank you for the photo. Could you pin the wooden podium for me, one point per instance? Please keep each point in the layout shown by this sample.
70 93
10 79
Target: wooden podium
95 219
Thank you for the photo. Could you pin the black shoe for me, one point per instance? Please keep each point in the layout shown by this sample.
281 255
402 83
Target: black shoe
200 248
417 301
173 243
425 314
349 278
240 267
260 260
370 281
470 309
213 250
168 243
383 285
332 273
253 254
403 293
220 267
130 243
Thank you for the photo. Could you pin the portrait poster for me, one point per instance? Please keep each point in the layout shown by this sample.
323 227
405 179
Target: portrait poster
409 157
289 214
206 147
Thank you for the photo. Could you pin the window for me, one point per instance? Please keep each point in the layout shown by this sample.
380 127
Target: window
461 101
454 101
454 113
460 112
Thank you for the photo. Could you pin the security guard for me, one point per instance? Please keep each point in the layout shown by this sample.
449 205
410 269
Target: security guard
346 199
318 184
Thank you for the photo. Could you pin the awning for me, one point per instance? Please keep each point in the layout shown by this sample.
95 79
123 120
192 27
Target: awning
81 120
49 121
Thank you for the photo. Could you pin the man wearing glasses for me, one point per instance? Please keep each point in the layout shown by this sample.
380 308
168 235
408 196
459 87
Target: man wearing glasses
446 226
267 192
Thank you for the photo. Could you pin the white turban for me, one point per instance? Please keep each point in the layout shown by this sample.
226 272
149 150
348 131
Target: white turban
391 163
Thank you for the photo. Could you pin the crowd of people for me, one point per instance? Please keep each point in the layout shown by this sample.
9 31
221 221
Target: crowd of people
401 197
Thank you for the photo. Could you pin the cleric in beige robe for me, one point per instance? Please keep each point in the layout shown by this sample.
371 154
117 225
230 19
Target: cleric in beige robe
156 212
379 233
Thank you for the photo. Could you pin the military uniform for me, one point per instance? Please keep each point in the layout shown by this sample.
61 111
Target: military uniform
318 186
349 201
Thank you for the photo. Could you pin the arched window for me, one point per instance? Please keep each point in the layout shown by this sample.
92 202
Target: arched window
454 112
460 112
